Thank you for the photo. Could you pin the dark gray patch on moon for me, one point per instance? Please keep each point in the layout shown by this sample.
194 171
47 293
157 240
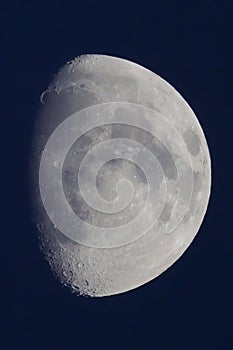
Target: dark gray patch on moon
192 141
166 213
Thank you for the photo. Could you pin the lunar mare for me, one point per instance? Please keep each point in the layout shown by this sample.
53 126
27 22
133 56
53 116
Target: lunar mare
121 175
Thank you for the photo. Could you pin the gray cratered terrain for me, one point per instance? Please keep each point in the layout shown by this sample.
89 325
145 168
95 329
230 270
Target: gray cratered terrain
128 196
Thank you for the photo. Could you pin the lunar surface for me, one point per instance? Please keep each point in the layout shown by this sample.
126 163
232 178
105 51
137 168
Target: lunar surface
120 173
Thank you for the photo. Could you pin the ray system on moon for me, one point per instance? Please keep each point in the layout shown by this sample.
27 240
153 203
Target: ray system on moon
121 175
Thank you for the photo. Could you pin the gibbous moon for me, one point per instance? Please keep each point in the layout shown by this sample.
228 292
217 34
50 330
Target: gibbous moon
120 173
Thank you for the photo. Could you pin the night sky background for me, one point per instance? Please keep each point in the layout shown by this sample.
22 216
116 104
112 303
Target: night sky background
188 43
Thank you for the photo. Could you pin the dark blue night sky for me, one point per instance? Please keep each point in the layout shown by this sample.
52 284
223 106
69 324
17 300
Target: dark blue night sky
188 43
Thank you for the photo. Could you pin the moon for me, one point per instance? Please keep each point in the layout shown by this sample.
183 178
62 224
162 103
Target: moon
120 175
